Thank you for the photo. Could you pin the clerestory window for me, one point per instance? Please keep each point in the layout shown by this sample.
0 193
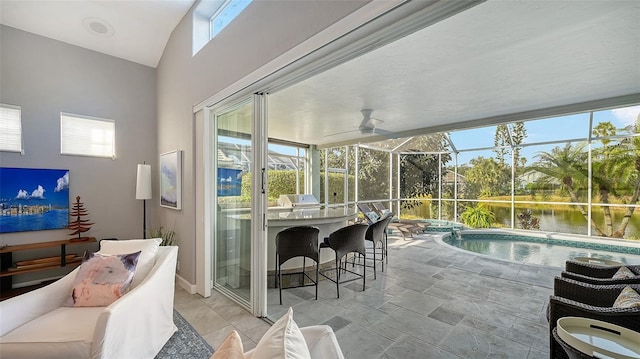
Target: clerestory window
87 136
10 128
225 14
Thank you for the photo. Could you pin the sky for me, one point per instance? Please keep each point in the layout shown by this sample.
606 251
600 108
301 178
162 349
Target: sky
551 129
544 130
34 186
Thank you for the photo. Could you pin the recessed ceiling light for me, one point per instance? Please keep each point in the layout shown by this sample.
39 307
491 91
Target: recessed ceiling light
98 26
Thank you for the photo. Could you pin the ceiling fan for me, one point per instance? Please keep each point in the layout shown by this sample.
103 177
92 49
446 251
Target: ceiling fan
368 126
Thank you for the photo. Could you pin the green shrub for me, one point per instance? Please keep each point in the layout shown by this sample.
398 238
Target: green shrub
478 217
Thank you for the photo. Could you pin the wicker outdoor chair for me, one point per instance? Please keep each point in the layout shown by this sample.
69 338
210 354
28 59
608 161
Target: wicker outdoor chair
597 274
571 352
577 299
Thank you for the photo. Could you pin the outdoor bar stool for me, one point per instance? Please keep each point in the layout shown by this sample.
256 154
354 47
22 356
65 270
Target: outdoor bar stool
376 235
389 218
349 239
295 242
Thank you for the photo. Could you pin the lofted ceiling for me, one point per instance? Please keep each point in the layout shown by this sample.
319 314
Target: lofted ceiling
132 30
494 59
497 58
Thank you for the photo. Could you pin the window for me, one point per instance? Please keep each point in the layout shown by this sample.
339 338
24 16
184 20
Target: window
10 128
225 14
87 136
211 16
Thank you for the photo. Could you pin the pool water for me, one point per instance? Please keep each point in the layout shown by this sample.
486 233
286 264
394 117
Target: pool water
536 250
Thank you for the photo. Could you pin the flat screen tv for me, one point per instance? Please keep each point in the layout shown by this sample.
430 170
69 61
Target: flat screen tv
229 182
33 199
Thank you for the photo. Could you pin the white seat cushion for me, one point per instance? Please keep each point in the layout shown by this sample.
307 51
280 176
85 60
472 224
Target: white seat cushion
62 333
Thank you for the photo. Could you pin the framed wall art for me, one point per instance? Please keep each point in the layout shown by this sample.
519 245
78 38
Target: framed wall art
171 179
33 199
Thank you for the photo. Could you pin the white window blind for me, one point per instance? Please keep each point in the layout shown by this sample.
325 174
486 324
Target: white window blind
10 128
87 136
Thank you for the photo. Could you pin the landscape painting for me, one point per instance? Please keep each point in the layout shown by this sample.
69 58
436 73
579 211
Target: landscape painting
171 179
33 199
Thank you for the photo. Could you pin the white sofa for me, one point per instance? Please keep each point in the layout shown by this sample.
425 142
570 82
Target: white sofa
37 325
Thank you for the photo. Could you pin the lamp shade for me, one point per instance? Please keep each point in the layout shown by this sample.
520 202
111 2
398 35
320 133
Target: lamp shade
143 184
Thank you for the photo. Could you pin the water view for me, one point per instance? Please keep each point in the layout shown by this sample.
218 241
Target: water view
563 220
52 219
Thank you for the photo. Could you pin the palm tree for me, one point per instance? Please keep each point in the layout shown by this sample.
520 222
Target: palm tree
613 164
569 164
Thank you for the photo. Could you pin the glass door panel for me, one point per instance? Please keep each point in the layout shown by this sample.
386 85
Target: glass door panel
233 233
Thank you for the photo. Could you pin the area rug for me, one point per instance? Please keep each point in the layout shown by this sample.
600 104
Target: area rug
185 343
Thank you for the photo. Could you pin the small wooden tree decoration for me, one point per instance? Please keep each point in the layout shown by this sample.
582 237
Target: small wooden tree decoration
79 225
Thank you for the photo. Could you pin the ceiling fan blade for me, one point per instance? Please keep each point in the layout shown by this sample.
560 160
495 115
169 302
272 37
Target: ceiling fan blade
341 133
385 133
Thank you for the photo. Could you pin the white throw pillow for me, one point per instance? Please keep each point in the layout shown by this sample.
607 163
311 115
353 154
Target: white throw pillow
283 340
231 347
147 260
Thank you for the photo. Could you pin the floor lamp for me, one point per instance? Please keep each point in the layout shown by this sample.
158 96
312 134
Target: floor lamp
143 192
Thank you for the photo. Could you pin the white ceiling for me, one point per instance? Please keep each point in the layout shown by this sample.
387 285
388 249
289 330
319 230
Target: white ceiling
499 57
141 28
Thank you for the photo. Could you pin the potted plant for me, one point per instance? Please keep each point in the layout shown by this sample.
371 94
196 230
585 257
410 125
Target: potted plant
167 236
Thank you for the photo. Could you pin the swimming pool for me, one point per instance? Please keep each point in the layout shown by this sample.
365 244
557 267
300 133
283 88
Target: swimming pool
543 249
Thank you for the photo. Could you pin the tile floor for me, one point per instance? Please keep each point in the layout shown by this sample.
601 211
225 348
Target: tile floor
431 302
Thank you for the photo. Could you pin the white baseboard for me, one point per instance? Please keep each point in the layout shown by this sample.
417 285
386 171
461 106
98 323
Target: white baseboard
184 284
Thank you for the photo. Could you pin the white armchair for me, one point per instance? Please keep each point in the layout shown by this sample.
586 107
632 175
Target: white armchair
37 325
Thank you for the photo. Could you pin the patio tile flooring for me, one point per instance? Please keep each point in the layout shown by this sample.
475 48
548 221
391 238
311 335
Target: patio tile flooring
431 301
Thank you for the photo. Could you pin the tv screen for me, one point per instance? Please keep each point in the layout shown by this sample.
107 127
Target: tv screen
229 182
33 199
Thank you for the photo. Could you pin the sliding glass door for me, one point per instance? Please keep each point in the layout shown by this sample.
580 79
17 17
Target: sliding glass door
238 171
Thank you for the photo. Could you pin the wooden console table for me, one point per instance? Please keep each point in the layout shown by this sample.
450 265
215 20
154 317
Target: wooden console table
8 268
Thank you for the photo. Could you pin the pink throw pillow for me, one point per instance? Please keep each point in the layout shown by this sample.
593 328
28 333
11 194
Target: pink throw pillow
102 279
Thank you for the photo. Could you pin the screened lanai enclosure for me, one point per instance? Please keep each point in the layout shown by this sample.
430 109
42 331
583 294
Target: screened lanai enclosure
575 174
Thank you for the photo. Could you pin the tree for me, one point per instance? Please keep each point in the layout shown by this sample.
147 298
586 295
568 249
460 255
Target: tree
419 173
486 177
615 172
569 165
509 137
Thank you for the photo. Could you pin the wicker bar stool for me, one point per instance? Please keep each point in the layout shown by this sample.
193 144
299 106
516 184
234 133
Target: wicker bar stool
295 242
349 239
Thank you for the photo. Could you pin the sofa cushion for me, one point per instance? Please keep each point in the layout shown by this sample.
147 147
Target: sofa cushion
149 248
62 333
628 298
231 347
623 273
102 279
283 340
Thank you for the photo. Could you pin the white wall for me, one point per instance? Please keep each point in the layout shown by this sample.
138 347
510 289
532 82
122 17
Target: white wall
46 77
262 32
